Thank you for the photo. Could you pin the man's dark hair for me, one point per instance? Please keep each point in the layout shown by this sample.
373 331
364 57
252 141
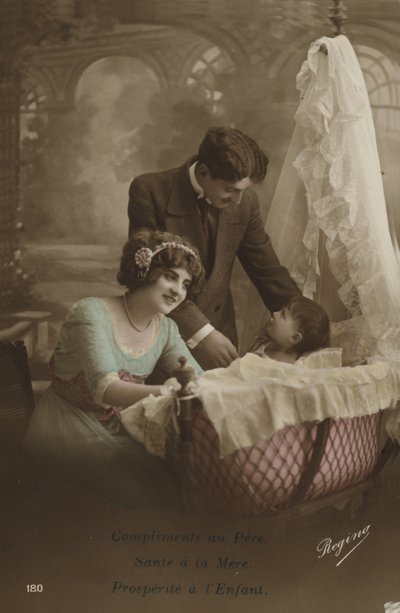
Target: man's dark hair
231 155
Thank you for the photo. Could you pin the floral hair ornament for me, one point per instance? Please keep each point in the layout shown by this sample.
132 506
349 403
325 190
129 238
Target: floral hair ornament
144 255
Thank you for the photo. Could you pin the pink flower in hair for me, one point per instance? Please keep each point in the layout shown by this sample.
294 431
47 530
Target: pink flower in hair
144 255
143 258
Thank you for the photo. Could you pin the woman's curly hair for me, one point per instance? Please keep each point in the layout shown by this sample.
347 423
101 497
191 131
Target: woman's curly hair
128 274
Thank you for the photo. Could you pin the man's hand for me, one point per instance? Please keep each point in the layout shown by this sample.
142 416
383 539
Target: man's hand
215 350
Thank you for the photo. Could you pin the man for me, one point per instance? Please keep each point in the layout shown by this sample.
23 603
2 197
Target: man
208 201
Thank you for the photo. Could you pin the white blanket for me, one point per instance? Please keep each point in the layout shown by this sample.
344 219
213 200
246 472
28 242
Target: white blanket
255 397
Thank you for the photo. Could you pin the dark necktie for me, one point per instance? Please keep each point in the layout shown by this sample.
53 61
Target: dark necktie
207 232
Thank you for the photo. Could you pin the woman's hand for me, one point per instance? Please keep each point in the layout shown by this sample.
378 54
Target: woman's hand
215 350
170 386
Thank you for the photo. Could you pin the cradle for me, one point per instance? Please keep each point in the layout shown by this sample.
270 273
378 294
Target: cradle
311 464
296 471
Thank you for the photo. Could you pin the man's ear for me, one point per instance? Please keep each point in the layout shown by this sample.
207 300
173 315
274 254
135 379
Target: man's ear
296 338
203 170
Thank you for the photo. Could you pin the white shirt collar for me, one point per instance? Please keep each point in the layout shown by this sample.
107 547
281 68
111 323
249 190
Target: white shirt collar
195 184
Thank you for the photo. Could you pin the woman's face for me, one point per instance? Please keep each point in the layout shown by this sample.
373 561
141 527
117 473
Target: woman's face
169 290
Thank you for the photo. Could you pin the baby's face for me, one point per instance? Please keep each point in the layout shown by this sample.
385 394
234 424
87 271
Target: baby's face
283 328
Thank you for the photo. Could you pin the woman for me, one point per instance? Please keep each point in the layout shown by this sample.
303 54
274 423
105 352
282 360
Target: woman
107 348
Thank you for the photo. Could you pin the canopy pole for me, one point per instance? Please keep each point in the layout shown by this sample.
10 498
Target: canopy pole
337 15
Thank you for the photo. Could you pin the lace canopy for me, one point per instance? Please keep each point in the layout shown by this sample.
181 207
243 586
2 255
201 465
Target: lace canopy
328 218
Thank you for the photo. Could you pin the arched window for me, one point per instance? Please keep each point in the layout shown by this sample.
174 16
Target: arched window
206 70
382 77
32 103
33 97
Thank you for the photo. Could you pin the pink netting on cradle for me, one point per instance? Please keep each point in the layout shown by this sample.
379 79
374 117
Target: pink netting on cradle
351 452
261 479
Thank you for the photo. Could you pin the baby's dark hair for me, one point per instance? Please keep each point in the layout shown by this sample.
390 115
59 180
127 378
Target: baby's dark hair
172 257
231 155
313 323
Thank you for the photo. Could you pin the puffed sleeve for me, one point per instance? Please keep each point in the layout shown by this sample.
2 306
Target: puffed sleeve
86 344
175 348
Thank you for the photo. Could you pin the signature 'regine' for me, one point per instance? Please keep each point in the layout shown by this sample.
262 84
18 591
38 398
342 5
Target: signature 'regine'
327 545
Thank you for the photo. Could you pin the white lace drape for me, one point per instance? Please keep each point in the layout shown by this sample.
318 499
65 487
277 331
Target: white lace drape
329 208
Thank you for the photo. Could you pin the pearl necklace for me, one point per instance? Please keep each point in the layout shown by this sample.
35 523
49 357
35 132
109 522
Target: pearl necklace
131 320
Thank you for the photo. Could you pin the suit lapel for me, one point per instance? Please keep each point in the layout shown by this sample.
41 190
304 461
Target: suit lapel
227 239
183 218
183 215
228 227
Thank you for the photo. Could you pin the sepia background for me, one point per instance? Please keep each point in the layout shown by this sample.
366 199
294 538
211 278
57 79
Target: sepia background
93 93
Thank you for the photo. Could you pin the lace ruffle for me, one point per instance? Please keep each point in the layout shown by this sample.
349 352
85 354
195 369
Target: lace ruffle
147 421
254 397
102 385
339 167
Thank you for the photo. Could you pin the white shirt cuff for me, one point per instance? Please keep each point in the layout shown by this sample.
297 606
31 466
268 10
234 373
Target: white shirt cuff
194 340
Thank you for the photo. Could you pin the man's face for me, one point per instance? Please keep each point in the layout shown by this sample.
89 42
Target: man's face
222 193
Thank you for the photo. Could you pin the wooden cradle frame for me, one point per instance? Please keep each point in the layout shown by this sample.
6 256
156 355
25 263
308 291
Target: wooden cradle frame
180 455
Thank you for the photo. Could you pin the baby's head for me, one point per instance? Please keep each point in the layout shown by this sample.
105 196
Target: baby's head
300 326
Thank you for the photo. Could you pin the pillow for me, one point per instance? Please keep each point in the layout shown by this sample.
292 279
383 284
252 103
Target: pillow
329 357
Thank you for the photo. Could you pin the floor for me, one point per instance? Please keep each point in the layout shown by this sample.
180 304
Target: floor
77 547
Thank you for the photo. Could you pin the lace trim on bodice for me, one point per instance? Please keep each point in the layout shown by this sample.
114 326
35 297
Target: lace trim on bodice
126 349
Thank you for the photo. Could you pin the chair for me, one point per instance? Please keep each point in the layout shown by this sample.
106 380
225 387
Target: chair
16 406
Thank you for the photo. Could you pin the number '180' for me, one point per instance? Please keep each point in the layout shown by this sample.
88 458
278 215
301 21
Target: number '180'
34 587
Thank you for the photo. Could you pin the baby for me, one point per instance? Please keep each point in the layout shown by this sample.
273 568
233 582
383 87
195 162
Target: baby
300 326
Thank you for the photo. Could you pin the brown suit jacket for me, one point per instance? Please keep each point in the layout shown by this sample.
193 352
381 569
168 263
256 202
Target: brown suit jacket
166 200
